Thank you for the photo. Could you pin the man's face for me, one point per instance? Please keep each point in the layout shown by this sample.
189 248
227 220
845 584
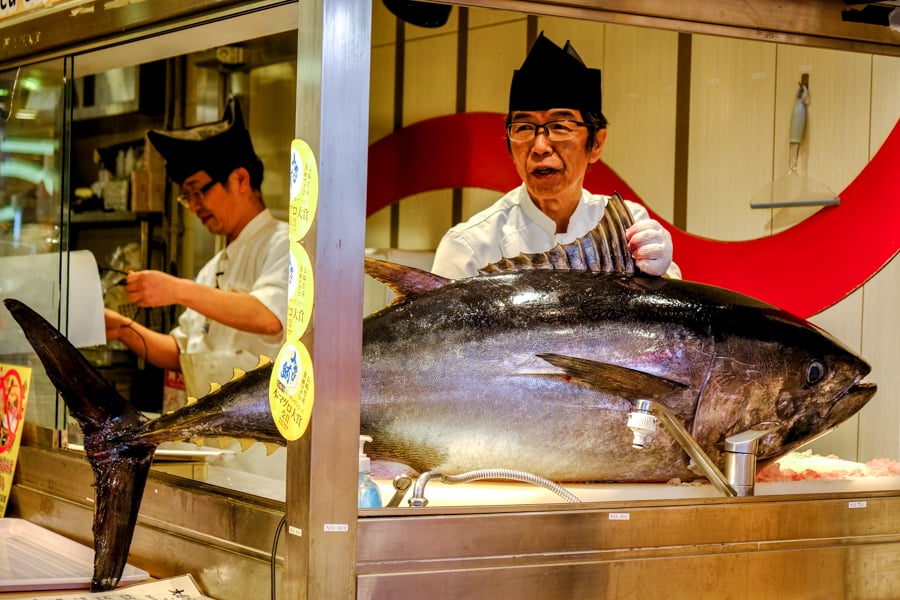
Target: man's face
554 171
210 200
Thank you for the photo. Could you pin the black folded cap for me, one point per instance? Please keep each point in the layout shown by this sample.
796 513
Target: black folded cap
217 148
554 77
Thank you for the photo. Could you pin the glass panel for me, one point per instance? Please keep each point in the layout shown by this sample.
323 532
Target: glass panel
31 187
132 224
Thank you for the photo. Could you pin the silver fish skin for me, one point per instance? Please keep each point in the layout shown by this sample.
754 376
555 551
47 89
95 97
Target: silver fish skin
456 378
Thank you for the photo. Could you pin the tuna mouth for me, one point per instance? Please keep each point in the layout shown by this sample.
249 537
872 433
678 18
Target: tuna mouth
851 401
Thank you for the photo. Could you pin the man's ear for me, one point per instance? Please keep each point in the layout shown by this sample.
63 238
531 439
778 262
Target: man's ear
599 141
241 178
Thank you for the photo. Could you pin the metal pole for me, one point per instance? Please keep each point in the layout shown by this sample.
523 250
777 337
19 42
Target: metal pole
334 48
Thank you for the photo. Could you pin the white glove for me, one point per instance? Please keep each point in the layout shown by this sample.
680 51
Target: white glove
650 245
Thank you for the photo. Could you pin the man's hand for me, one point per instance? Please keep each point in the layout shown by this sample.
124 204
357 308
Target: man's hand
153 288
651 246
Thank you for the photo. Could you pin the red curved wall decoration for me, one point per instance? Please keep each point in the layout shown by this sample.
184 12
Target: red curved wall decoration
804 269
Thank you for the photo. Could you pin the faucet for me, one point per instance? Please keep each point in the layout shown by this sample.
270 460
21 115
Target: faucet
740 449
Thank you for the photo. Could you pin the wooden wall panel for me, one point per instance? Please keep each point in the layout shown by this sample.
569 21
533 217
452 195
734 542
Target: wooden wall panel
381 92
381 118
269 86
885 99
588 37
732 84
378 229
384 25
498 43
484 18
424 220
880 420
475 200
429 90
640 71
429 81
844 321
872 433
493 53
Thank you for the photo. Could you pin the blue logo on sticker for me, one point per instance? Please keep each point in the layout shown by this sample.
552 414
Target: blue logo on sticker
295 168
290 369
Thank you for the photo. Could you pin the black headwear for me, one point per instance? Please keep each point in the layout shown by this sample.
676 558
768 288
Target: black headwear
217 148
554 77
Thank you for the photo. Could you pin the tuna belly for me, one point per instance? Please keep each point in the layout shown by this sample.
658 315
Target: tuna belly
466 409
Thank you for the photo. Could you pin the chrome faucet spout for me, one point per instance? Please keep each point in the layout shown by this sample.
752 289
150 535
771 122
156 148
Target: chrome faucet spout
684 439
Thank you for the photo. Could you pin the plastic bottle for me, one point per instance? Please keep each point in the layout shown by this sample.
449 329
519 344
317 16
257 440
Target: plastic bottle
369 495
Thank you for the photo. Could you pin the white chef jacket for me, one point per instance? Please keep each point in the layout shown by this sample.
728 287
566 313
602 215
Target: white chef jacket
514 225
256 263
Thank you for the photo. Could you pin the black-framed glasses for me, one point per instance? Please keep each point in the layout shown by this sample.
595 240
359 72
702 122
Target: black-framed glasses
556 131
198 195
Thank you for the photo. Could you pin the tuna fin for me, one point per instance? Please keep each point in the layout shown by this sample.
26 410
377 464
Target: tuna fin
604 377
108 421
404 281
603 249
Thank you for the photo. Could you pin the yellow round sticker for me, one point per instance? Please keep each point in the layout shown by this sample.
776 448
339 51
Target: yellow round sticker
304 190
291 390
301 291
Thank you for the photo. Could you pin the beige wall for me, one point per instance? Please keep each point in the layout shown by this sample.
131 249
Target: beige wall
741 98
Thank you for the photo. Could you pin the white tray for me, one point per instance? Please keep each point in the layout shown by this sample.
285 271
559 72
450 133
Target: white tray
34 558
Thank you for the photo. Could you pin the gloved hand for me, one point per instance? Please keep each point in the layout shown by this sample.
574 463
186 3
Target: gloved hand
650 245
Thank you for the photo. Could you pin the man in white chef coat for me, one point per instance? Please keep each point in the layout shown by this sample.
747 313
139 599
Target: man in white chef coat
555 132
237 305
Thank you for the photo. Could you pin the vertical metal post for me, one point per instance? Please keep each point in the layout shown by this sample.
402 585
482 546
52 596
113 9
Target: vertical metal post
334 48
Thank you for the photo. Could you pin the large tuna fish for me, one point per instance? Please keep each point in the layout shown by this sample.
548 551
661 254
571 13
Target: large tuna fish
532 366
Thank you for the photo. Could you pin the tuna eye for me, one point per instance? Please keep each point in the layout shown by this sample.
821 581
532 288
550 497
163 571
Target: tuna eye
815 371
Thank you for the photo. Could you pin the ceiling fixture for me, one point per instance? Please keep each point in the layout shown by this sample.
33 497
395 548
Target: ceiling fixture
422 14
885 14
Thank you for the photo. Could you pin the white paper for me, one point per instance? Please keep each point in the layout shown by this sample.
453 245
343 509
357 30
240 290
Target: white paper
34 280
181 587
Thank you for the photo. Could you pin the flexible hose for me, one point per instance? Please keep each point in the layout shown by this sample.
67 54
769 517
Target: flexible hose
419 499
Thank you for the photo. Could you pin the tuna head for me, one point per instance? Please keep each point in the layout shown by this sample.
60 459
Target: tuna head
775 371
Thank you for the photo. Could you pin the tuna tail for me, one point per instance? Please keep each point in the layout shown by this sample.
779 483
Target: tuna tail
603 249
108 421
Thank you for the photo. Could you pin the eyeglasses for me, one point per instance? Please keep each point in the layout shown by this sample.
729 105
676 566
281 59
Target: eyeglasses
189 196
556 131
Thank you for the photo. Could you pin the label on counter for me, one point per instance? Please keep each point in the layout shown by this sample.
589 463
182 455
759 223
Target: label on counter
291 390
